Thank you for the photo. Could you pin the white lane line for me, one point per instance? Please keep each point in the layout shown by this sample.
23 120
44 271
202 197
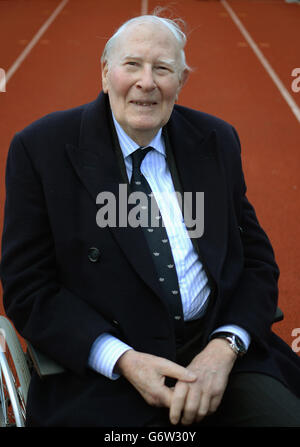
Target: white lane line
144 7
34 41
282 89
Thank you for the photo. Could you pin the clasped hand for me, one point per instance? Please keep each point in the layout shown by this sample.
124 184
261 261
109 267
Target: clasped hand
199 388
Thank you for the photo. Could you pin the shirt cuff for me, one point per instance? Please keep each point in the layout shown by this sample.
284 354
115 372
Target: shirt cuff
236 330
104 354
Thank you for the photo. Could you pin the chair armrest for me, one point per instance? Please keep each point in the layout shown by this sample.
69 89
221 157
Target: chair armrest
44 365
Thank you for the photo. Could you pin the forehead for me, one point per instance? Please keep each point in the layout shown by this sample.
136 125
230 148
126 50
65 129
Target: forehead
144 37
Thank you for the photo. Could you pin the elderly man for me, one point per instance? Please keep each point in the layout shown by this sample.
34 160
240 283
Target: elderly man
154 323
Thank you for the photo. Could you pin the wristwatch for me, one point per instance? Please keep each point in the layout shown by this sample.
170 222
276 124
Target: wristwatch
234 341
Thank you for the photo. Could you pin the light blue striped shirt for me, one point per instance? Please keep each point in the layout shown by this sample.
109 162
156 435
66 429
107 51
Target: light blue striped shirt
193 282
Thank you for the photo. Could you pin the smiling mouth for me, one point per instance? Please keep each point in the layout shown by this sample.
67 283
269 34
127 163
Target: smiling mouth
143 103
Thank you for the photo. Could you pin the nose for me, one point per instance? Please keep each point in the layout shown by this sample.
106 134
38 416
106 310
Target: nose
146 80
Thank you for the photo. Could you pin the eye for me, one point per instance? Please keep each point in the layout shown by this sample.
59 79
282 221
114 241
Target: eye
162 69
132 63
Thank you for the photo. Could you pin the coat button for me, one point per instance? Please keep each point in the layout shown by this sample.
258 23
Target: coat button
93 254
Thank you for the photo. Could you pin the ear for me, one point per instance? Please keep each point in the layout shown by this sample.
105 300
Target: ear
182 81
184 77
104 71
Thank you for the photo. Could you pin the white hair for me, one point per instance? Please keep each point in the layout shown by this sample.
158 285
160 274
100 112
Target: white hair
172 25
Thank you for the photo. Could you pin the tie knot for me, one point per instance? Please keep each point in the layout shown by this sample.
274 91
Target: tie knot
138 156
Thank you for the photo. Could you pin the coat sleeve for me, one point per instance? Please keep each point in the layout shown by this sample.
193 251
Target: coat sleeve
252 302
53 318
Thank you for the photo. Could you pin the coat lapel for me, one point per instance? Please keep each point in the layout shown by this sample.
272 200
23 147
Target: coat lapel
197 157
97 166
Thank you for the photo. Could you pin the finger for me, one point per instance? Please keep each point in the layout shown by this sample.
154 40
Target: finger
165 397
178 402
192 404
204 407
171 369
156 393
207 407
214 403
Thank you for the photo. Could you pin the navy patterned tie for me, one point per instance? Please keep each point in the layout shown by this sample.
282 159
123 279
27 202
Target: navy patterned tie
158 242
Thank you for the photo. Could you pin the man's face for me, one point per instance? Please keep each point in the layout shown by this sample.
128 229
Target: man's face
143 78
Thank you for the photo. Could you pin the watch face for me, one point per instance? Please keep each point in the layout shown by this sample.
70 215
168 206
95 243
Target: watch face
240 345
235 342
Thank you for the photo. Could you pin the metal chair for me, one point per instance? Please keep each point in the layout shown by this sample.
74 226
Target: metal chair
15 372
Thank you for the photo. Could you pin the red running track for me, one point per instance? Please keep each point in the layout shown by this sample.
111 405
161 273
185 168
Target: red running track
62 70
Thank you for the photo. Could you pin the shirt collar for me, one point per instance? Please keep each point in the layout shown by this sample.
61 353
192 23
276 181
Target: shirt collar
128 146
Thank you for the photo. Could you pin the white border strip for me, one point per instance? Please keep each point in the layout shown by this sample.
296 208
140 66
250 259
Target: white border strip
144 7
34 41
284 92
